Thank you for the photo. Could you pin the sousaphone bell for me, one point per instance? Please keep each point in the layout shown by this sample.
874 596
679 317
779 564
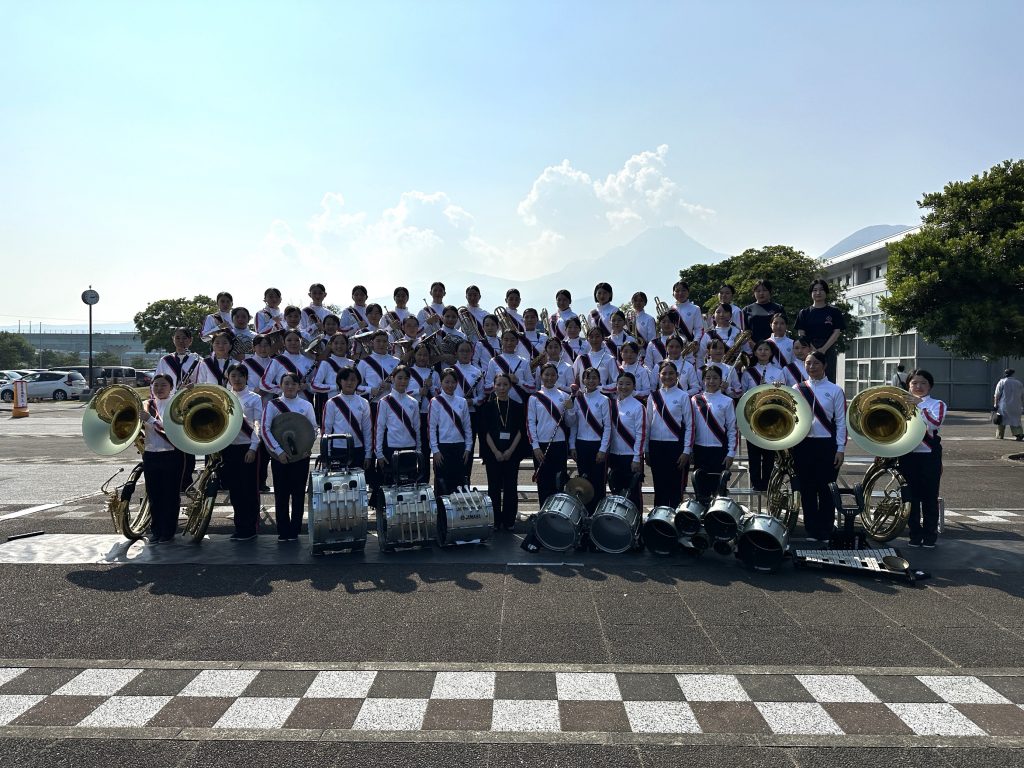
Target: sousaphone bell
113 420
203 419
773 417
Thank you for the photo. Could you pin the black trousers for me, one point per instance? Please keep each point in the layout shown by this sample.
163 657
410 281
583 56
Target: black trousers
452 472
761 464
622 465
185 479
319 403
710 460
241 480
669 481
502 479
588 467
556 459
813 459
163 471
425 460
474 448
289 495
923 471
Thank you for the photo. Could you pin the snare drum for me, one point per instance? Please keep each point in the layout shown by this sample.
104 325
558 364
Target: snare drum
722 520
615 524
763 542
559 522
688 517
408 518
660 534
465 517
338 510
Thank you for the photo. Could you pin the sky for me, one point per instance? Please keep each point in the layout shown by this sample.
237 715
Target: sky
156 150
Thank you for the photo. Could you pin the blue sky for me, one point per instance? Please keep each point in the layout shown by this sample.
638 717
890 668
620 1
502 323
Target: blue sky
159 150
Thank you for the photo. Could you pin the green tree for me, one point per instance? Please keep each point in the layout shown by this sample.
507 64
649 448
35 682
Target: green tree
960 280
156 323
139 362
48 358
105 358
15 351
790 272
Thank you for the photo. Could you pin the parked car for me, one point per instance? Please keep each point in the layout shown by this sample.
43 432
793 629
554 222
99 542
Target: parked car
98 379
10 375
56 385
144 378
120 374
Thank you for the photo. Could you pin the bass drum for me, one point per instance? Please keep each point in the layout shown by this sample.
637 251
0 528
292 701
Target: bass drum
660 533
408 517
560 522
688 517
465 517
722 520
615 525
763 542
338 511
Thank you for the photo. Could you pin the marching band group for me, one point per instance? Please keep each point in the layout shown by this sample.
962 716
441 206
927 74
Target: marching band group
616 391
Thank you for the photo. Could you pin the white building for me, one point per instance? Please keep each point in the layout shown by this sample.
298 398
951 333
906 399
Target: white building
871 358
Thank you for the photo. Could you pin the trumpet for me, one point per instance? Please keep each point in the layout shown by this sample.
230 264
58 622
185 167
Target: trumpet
395 332
360 322
737 346
432 317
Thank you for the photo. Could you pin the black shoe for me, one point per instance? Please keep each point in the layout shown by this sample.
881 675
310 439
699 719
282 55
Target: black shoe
264 488
281 539
1019 438
167 539
929 546
236 537
293 538
915 543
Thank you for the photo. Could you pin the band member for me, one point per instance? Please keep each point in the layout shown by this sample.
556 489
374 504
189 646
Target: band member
531 341
241 333
353 318
597 357
324 380
713 444
517 368
397 426
240 469
512 301
489 344
221 319
628 436
782 345
618 335
290 474
401 297
451 439
795 369
423 385
404 347
922 467
822 324
553 353
430 315
293 322
214 368
657 348
563 300
292 361
572 343
600 316
375 369
478 312
502 440
820 455
331 325
731 384
691 319
270 318
668 414
551 425
593 433
646 327
450 326
374 315
688 379
391 323
163 465
347 413
757 317
764 371
726 295
314 314
722 329
181 364
257 363
630 354
470 380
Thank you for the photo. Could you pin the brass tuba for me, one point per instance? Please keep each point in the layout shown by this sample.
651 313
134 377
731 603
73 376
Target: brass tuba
773 417
884 421
467 324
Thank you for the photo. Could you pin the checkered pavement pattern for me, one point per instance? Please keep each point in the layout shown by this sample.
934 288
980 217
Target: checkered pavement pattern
523 702
984 515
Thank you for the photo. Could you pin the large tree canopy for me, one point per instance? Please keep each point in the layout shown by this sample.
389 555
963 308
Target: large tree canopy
15 352
156 323
960 280
790 272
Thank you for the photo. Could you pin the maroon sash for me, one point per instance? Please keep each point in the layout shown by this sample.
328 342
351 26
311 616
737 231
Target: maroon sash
776 352
377 367
554 410
213 367
289 366
467 388
487 345
506 367
670 421
613 411
255 365
598 319
400 412
456 419
659 345
819 412
684 329
716 337
155 413
589 415
175 365
312 315
572 353
281 405
414 374
709 418
353 422
794 371
755 375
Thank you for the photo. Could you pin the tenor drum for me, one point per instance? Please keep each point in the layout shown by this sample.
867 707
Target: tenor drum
722 520
465 517
338 510
688 517
408 517
660 533
763 542
615 524
560 521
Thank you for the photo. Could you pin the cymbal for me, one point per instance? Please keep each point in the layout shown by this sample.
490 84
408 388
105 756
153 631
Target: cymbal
581 488
295 435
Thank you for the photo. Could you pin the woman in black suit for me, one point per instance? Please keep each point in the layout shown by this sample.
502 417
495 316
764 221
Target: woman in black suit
502 433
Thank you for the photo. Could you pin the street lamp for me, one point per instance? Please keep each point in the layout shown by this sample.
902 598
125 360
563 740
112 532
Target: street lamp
90 297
